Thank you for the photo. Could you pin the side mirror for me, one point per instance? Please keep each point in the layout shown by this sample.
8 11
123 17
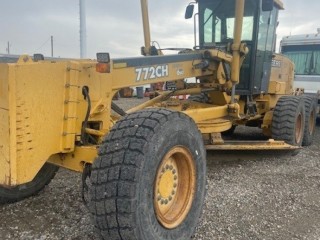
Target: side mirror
189 11
267 5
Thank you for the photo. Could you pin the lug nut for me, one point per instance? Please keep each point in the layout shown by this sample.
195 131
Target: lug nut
171 167
175 177
170 198
174 171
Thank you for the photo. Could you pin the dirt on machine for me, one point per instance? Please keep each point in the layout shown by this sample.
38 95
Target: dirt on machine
144 170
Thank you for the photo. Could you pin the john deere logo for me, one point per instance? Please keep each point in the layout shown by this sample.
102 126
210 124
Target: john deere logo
276 63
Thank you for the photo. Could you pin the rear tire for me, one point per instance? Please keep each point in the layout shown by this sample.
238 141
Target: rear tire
137 191
288 122
17 193
310 120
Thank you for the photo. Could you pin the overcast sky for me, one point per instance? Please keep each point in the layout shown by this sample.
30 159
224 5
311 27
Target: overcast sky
115 26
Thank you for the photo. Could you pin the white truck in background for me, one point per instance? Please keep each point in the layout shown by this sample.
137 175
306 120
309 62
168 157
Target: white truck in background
304 51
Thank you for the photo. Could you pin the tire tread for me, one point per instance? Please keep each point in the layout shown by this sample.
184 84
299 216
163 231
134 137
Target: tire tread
119 156
284 119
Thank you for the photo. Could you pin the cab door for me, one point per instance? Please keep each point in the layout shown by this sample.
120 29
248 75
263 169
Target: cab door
265 48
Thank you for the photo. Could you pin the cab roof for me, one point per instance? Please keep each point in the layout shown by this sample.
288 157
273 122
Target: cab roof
279 3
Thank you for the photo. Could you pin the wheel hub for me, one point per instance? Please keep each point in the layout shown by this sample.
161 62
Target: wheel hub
167 184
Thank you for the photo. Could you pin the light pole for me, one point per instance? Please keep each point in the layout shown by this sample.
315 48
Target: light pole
83 29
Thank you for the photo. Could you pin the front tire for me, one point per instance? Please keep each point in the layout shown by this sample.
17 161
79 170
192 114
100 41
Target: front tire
149 179
17 193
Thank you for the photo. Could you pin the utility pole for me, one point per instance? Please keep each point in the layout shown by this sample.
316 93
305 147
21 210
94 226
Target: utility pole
51 46
8 48
83 29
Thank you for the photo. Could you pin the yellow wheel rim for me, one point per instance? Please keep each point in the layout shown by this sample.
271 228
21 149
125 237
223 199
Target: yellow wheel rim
174 187
299 127
311 122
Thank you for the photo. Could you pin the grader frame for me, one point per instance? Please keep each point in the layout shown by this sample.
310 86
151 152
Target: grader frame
59 111
32 141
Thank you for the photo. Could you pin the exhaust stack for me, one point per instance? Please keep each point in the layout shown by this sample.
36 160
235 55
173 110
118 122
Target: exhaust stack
146 27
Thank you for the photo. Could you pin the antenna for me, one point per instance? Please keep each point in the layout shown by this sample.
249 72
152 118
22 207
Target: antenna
83 29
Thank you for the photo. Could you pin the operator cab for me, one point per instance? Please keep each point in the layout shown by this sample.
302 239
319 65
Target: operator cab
216 30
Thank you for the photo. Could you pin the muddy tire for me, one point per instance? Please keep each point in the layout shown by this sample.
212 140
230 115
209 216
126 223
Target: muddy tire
288 122
136 187
310 120
17 193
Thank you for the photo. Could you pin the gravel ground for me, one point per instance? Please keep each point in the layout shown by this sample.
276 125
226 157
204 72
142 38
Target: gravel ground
250 195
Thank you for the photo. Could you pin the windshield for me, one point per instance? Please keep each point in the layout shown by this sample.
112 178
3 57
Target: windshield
305 57
217 20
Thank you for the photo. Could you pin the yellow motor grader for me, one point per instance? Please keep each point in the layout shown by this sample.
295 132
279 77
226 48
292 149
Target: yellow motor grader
144 170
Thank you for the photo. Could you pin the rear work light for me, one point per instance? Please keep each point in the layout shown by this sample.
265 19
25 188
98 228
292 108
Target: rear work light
103 65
